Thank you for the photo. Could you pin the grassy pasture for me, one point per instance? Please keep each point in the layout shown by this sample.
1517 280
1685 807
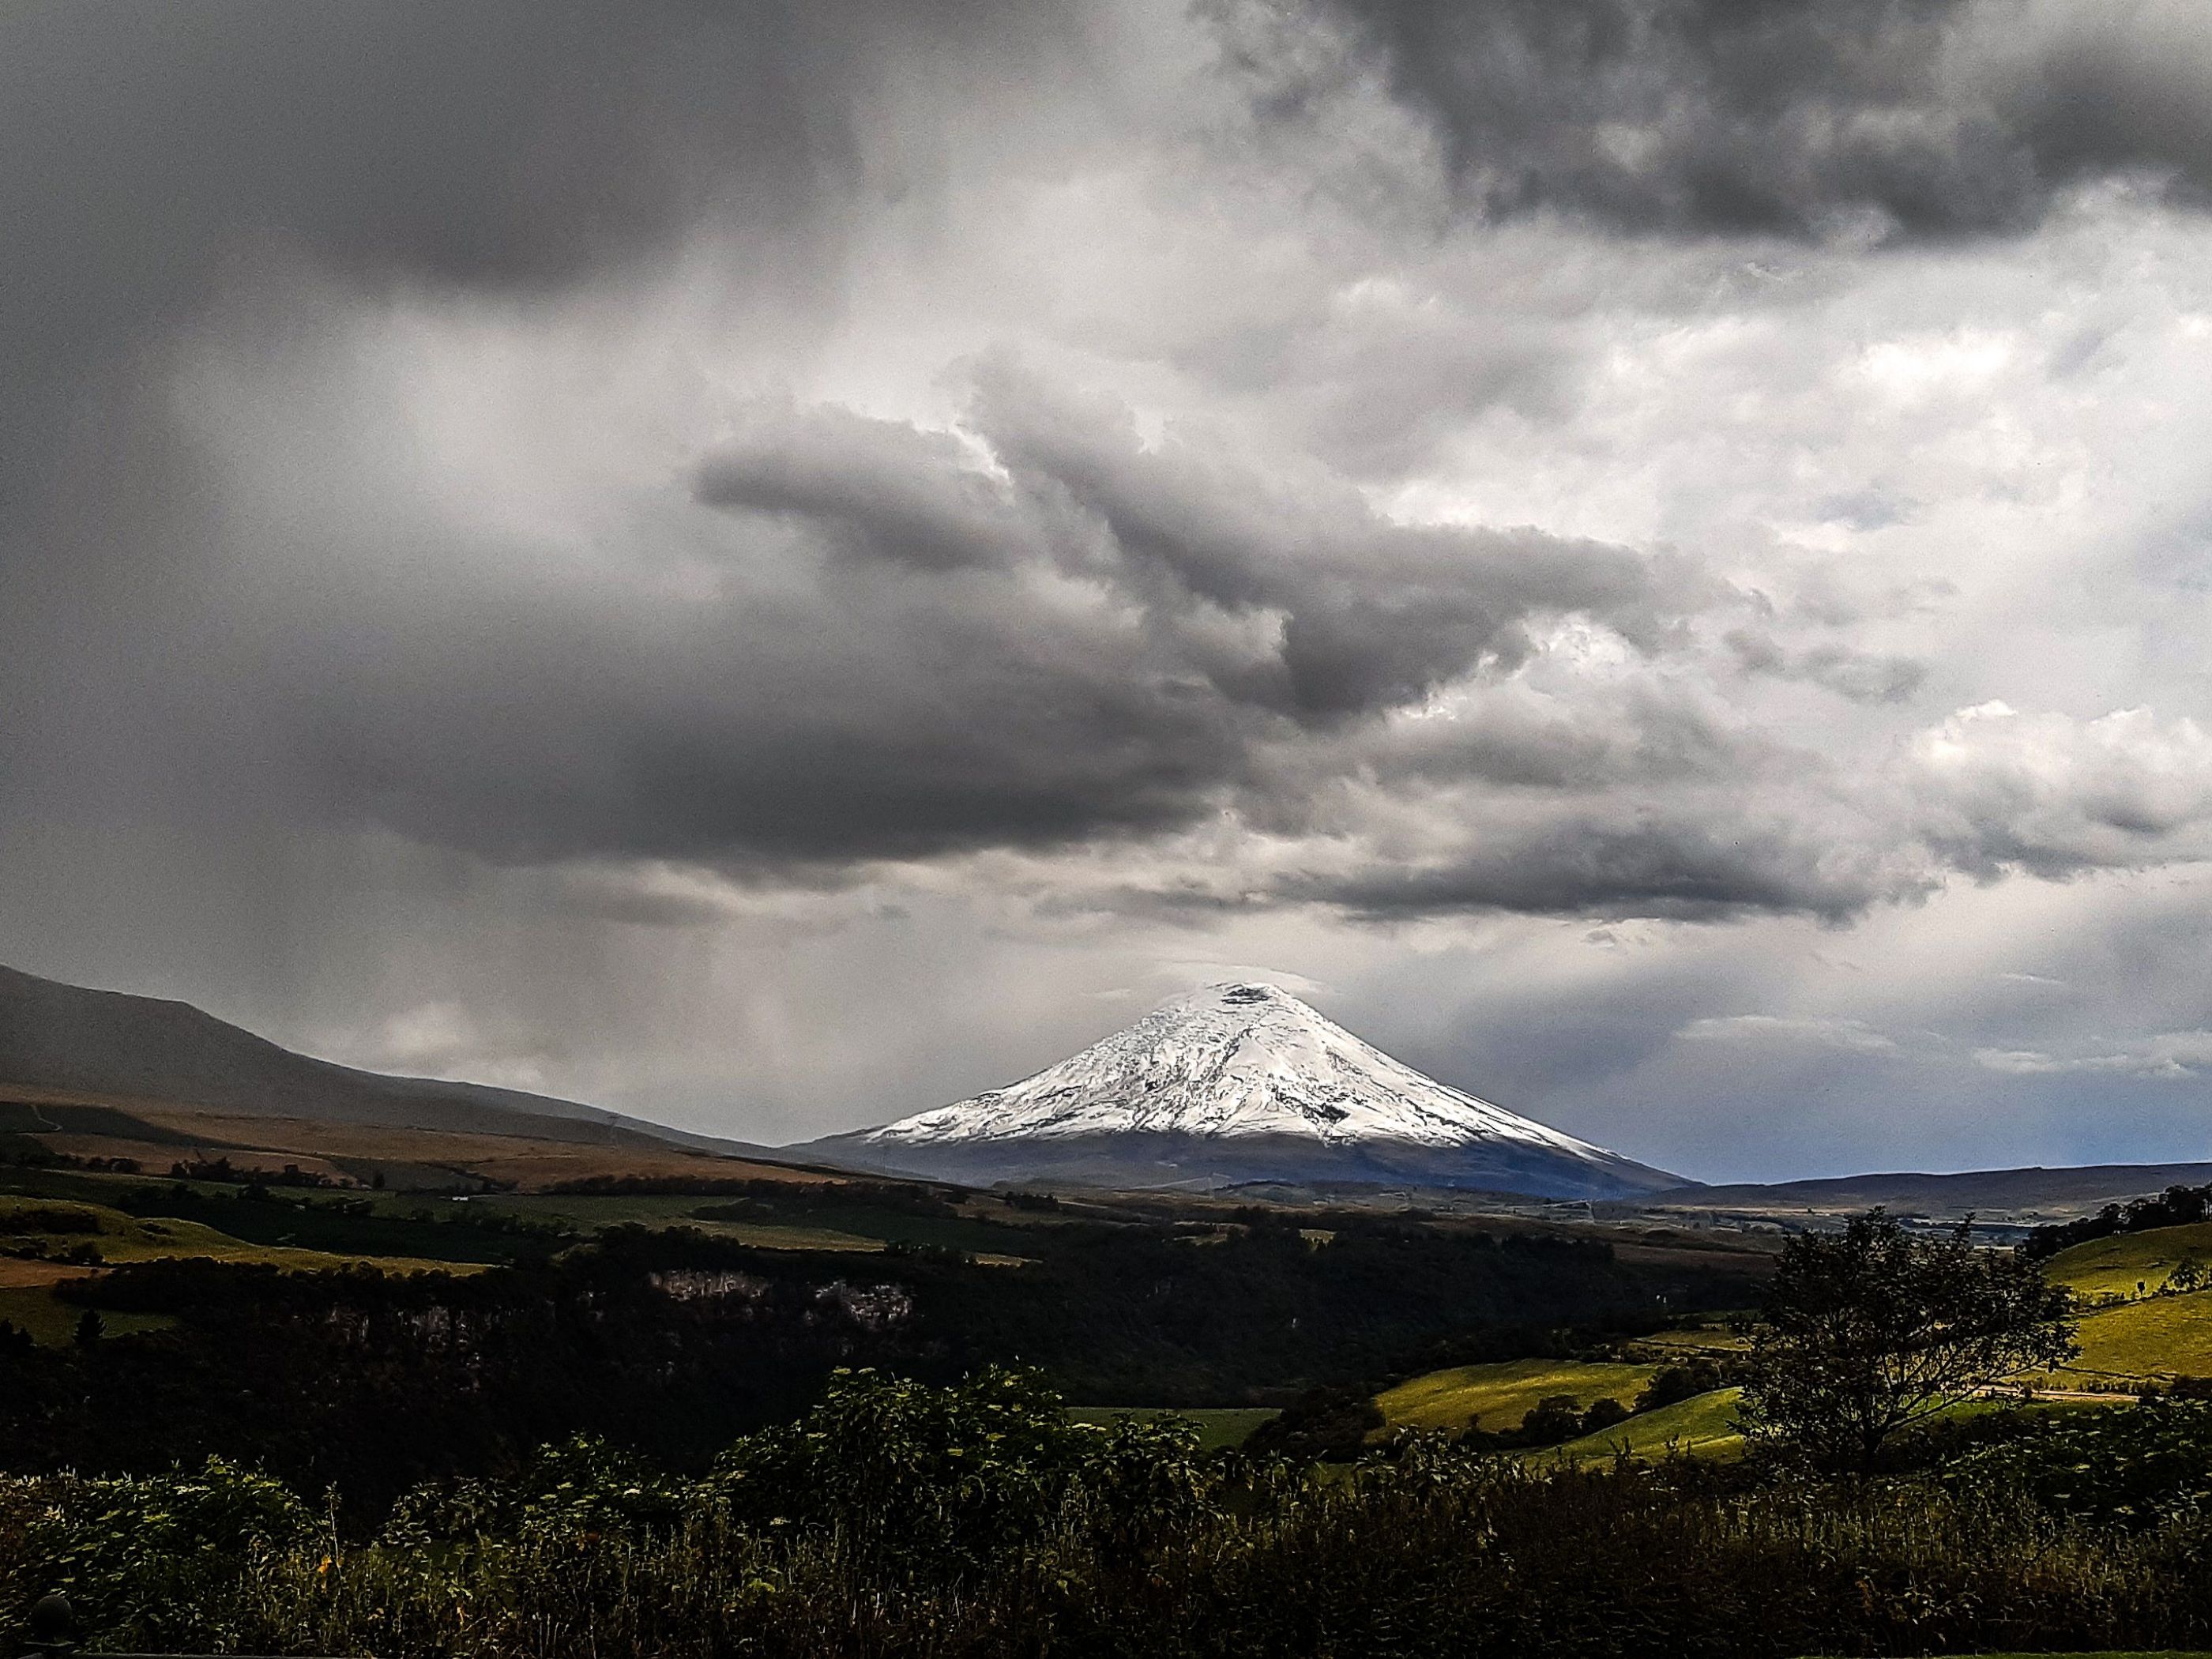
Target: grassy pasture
2115 1267
119 1237
1704 1426
1689 1342
158 1133
52 1322
359 1150
27 1298
1497 1396
2145 1337
399 1225
2159 1336
772 1236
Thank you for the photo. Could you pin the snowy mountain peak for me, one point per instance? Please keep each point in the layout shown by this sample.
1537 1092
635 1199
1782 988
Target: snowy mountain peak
1237 1060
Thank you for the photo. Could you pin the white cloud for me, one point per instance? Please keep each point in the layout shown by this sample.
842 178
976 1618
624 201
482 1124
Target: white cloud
1808 1030
2168 1054
2053 794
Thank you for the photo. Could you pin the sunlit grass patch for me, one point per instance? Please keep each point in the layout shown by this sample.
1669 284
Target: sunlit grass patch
1691 1342
47 1241
1704 1426
52 1322
1494 1397
2118 1265
2159 1336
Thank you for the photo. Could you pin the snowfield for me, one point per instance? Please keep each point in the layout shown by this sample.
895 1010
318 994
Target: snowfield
1234 1059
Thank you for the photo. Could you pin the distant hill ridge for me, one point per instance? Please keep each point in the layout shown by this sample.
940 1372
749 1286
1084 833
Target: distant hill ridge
2031 1189
69 1040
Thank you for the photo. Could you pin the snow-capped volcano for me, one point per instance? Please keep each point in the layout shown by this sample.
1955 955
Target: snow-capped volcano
1231 1059
1241 1082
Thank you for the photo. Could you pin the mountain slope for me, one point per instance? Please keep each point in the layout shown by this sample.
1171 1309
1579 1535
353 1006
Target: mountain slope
1240 1082
67 1041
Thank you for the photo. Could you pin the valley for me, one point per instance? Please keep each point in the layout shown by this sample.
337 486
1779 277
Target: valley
536 1304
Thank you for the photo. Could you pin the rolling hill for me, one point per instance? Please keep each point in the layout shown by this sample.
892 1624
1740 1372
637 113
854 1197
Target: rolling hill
68 1046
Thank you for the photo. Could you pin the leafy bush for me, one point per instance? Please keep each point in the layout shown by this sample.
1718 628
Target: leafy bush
976 1522
1555 1418
580 1489
2133 1467
1328 1425
150 1560
1602 1414
1672 1384
939 1481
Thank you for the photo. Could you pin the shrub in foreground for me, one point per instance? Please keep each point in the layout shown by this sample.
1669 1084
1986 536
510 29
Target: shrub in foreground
978 1520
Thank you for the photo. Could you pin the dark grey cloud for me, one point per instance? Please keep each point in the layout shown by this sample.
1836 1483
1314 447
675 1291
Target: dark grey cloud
156 154
1731 824
1861 675
1509 736
161 159
1038 633
226 179
1693 861
1791 117
915 648
1372 613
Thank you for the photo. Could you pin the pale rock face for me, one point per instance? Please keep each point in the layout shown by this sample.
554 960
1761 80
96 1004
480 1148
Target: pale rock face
1234 1059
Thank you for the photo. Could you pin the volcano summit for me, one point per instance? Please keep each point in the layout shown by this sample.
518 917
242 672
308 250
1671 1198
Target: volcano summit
1240 1082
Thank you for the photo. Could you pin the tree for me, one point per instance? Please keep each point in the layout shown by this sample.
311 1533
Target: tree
90 1327
1872 1329
1555 1418
1671 1385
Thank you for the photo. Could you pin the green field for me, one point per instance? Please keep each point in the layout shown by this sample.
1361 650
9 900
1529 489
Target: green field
32 1229
52 1322
2115 1267
2146 1336
1218 1426
2159 1336
1689 1341
119 1237
1704 1426
1494 1397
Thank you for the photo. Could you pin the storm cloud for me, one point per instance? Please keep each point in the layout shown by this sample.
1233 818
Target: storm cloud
1791 117
1654 552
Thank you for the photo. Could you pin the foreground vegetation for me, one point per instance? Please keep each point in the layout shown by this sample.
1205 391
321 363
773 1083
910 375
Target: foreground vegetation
480 1431
676 1340
979 1520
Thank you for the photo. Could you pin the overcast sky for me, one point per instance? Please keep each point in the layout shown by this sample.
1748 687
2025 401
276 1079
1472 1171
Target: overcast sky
773 565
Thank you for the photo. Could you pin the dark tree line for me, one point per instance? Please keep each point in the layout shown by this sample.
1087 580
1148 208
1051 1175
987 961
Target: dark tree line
2177 1206
672 1343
